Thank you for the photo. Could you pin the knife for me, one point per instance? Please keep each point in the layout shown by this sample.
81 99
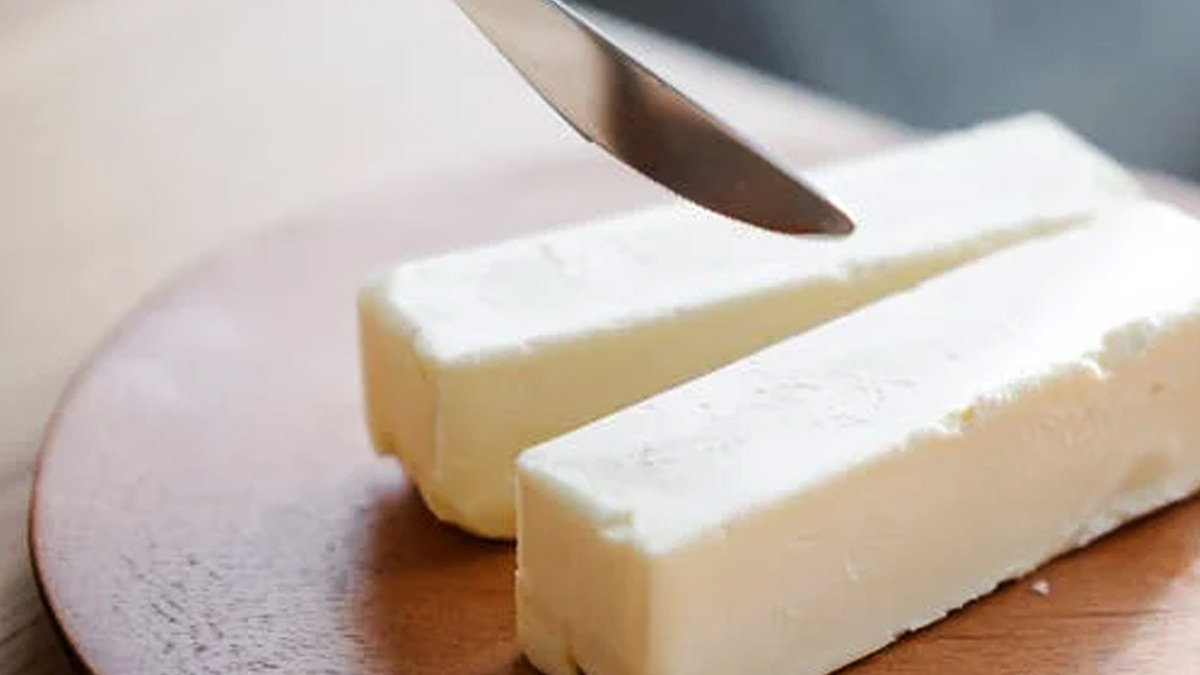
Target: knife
619 104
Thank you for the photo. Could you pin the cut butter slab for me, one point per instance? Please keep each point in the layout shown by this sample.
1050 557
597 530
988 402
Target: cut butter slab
472 357
803 507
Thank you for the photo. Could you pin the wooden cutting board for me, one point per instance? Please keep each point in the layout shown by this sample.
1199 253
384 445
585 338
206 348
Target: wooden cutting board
207 501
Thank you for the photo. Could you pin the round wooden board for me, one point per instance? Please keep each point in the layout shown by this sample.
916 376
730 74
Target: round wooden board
207 501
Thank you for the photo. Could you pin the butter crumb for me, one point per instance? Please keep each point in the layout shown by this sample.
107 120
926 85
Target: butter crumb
967 416
1040 587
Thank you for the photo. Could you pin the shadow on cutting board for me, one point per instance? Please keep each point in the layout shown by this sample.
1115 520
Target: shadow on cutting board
436 600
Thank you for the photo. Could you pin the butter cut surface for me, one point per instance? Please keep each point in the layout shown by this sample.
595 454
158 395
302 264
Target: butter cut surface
471 357
804 506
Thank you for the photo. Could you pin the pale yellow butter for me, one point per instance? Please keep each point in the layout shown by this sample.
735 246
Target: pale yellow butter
470 358
806 505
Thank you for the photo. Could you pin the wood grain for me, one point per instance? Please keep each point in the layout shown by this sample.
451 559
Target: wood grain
207 501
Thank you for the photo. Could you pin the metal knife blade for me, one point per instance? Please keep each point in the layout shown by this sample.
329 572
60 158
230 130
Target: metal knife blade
616 102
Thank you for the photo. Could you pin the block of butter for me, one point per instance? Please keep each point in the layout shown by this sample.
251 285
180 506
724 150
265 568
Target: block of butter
804 506
472 357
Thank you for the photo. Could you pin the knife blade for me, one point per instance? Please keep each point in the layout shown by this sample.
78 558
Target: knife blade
638 117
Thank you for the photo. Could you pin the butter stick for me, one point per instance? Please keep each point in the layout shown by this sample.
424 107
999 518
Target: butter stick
806 505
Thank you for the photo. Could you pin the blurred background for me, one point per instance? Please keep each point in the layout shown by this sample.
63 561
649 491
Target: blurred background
1126 74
